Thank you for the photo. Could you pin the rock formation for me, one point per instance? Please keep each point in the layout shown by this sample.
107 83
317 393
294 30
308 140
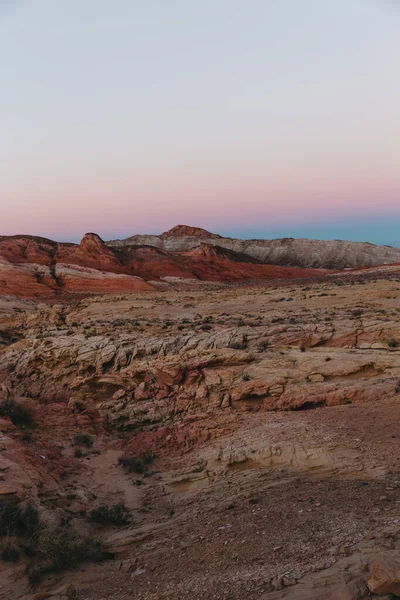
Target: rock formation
333 254
34 267
240 442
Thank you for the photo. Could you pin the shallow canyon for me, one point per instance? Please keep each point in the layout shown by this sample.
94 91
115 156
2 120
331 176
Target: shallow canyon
248 433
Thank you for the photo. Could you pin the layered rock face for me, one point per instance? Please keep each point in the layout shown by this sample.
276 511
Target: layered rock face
333 254
160 370
91 252
35 267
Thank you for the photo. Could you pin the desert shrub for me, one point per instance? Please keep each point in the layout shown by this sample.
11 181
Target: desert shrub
239 344
9 552
198 468
139 465
263 345
148 457
132 464
39 276
392 343
118 514
65 549
83 439
17 519
79 406
61 550
78 453
246 377
205 327
19 415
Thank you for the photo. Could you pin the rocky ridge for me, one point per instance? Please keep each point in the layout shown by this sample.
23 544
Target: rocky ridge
35 267
305 253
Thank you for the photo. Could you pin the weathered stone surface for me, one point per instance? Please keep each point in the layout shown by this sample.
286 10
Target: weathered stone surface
384 574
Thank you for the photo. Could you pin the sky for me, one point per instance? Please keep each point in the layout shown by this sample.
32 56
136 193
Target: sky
257 118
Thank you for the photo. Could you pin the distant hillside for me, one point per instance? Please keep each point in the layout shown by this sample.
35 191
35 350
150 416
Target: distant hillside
291 252
37 267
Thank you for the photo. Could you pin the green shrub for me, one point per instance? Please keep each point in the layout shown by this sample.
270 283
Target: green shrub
83 439
19 415
118 514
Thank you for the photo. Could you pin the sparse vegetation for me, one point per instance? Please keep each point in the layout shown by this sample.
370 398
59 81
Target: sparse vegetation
83 439
118 514
18 519
38 275
9 552
263 345
239 344
19 414
61 550
137 465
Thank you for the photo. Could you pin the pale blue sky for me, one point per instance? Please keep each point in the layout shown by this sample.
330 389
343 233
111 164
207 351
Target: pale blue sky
257 117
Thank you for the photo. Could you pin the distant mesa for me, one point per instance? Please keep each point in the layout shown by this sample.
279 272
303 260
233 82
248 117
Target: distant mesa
188 231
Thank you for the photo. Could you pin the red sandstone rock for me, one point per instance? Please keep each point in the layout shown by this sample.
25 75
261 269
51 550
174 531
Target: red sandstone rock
91 252
35 267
